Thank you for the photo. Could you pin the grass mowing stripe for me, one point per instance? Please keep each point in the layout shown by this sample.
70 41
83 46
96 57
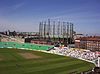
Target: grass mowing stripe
36 64
29 61
78 70
52 66
46 55
58 69
17 57
11 56
8 56
39 68
49 63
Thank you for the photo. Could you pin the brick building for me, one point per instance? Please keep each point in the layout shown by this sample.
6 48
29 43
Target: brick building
90 43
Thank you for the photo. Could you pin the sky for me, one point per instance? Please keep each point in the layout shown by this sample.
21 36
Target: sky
25 15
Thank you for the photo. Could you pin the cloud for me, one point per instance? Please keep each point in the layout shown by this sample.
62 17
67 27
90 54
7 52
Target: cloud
19 5
11 9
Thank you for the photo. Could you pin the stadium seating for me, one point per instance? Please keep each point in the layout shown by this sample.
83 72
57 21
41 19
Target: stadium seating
24 46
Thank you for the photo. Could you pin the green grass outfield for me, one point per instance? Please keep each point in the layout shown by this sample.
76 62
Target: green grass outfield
13 63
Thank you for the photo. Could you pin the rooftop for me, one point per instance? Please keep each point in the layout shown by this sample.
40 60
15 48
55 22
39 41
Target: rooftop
89 38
